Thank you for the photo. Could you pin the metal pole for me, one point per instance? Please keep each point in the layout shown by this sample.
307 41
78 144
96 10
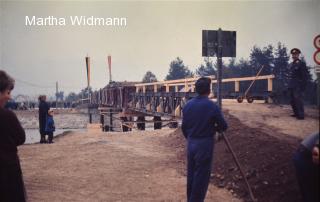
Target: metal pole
239 166
219 63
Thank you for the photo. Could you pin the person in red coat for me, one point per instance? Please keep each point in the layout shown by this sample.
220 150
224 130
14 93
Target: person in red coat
11 136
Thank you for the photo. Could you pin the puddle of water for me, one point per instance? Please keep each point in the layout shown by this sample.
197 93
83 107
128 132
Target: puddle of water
33 135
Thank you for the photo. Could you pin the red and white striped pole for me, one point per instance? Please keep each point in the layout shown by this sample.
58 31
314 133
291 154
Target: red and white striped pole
109 65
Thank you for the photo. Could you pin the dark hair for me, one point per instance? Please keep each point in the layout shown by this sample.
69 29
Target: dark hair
203 86
41 97
6 81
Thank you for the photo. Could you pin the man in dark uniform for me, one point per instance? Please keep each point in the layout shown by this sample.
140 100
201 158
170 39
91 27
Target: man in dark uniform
297 83
201 119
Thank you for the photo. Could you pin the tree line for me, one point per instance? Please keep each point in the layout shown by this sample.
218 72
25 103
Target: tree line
274 59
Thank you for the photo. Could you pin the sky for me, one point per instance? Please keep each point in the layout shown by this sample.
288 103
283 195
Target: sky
155 34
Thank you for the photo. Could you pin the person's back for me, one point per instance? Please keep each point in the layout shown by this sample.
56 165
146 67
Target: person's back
12 135
43 112
201 118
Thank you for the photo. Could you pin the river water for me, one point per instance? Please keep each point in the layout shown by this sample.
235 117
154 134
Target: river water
33 135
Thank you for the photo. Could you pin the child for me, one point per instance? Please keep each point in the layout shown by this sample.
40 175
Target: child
50 128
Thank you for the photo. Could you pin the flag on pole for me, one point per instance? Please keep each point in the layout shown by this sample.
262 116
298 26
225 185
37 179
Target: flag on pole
109 65
88 69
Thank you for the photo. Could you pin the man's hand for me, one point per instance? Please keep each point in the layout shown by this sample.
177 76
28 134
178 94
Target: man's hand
218 136
315 155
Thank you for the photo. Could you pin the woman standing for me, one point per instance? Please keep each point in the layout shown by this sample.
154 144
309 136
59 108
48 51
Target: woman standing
43 113
11 136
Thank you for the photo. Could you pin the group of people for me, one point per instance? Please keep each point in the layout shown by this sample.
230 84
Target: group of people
202 118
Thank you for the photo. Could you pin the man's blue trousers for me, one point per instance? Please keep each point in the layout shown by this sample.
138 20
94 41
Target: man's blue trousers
200 153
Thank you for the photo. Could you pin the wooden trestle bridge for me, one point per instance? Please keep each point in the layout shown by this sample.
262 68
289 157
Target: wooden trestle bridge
129 103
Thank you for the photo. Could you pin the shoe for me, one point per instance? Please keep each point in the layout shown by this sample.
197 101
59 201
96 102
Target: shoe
300 118
293 115
50 142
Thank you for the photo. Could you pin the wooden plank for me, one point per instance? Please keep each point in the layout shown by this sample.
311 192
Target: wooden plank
149 121
171 81
230 80
246 78
181 82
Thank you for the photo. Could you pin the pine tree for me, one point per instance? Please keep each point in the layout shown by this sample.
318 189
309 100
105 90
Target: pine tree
207 69
178 70
149 77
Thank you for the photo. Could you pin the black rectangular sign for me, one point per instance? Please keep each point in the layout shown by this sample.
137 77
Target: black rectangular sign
210 43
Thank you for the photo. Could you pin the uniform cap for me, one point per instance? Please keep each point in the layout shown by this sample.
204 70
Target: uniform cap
295 51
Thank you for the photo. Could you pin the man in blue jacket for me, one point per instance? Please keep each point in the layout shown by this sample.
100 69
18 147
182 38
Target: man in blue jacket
201 119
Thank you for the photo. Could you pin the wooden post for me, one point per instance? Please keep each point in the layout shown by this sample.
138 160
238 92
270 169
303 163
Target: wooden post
192 88
167 88
102 121
269 84
176 88
111 121
237 86
155 88
185 86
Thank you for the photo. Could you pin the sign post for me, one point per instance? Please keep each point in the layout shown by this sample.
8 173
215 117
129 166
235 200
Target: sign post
219 62
220 44
316 58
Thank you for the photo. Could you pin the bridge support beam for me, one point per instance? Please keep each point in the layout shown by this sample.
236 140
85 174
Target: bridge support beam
157 125
141 125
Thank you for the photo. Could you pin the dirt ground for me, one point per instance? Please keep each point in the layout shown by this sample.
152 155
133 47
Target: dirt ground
97 166
274 118
151 165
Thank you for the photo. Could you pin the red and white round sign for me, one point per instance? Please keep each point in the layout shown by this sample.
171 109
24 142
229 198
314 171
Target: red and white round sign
316 42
